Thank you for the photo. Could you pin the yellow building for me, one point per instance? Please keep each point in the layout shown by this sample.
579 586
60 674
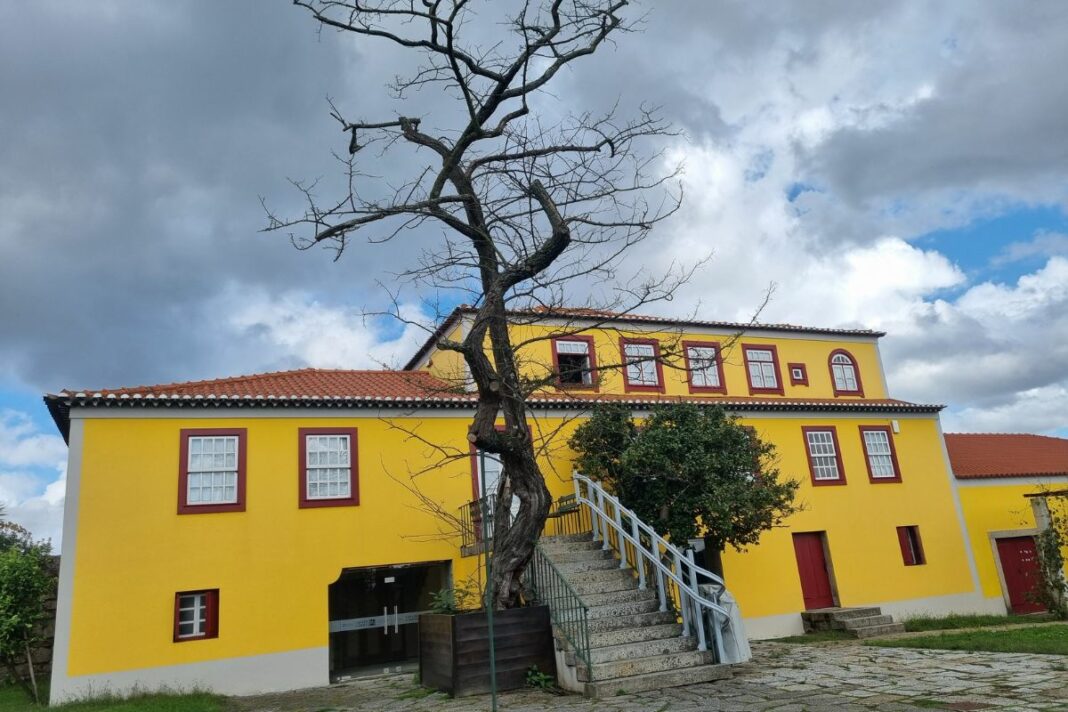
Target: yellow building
276 531
1000 479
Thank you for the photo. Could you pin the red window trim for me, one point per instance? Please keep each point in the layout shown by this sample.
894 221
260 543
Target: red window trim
212 603
805 430
775 362
475 493
893 453
183 470
722 387
354 469
856 370
594 386
803 381
906 550
628 387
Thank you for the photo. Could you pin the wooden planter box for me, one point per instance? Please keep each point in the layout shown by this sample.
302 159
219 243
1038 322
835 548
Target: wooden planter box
454 649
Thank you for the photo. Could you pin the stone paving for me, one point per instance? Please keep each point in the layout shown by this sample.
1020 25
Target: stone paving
841 677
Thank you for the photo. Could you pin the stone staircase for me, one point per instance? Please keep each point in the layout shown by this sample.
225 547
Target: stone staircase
633 645
866 622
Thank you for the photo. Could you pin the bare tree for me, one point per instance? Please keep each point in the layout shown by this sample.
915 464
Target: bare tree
529 202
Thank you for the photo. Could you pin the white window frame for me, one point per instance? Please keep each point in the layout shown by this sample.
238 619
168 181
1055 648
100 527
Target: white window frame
823 455
309 468
641 371
195 475
704 368
201 611
879 461
764 371
587 369
844 372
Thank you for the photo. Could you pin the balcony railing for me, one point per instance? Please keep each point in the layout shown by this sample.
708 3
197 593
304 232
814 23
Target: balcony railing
566 516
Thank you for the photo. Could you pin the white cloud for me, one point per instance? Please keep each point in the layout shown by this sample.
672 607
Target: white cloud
22 445
298 326
32 491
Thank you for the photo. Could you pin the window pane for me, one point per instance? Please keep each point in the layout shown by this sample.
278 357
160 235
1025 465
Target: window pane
641 366
329 466
823 454
877 445
703 371
572 347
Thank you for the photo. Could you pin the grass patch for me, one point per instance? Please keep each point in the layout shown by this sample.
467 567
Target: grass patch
13 699
928 704
820 636
416 693
1043 639
921 623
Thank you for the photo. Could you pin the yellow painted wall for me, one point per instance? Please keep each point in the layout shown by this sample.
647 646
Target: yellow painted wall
809 349
271 563
996 508
449 366
274 562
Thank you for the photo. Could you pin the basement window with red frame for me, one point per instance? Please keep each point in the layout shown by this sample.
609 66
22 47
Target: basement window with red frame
211 474
196 615
911 546
328 470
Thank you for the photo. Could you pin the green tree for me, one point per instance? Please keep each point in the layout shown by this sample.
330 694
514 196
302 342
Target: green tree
688 471
26 582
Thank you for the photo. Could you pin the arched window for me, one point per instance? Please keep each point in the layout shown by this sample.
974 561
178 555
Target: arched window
845 374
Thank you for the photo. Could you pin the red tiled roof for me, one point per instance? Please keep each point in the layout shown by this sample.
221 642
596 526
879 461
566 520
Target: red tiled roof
603 316
304 382
978 455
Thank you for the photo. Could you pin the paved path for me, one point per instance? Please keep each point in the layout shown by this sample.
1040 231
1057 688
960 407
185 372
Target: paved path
841 677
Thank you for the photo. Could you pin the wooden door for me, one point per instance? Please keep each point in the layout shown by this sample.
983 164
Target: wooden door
812 568
1019 564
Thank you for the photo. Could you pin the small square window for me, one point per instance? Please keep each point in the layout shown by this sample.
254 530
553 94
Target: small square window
911 546
196 615
798 374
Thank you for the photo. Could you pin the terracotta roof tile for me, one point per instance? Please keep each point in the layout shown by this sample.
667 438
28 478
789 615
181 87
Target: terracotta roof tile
304 382
978 455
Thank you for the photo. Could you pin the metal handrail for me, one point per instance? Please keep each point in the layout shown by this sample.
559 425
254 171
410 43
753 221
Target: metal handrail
678 581
568 612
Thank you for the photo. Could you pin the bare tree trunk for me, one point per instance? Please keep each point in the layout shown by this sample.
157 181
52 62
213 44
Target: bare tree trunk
33 678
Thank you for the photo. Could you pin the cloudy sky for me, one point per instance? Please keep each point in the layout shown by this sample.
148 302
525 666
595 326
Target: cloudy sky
896 165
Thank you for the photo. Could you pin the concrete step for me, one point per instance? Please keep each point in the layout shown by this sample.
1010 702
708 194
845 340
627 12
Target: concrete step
568 556
876 630
604 582
573 569
622 636
642 666
613 610
868 622
643 649
600 625
625 596
565 539
586 545
841 614
658 680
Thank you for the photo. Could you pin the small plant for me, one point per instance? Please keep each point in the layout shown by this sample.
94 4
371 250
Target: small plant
539 680
453 600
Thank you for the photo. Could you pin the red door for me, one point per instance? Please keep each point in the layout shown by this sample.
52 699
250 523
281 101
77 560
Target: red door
1019 563
812 567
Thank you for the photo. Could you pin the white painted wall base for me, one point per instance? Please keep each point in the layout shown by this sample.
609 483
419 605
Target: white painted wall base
790 623
275 672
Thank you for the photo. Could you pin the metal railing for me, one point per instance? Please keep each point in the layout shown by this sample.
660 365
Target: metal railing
657 562
471 517
569 614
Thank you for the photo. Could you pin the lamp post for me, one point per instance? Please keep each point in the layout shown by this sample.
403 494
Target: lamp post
484 506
